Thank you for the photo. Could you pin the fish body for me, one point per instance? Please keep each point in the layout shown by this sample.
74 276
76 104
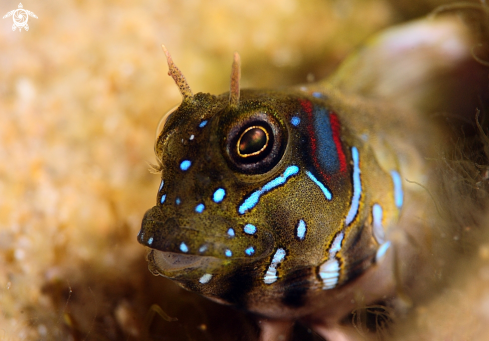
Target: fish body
285 202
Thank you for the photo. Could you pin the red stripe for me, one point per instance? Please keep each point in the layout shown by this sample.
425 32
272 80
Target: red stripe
336 127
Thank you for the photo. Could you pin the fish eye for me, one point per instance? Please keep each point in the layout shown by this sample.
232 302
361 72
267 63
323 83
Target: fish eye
255 143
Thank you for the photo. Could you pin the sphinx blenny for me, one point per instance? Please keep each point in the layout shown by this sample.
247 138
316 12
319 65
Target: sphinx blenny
284 202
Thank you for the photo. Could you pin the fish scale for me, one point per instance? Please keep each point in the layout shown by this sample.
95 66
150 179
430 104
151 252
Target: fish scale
282 201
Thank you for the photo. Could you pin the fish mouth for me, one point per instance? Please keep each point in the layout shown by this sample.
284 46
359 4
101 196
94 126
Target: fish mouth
183 243
168 262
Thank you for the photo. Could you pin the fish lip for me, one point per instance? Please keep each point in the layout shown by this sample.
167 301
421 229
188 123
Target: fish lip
166 262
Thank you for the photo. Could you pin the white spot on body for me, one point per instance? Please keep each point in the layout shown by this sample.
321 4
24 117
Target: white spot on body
191 137
382 250
378 229
336 246
301 229
271 274
329 271
205 278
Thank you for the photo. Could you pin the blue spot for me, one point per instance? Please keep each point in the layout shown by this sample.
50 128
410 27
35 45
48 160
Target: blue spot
301 229
228 253
161 185
150 240
183 247
398 193
202 124
250 251
199 208
295 121
203 248
357 187
185 164
323 188
219 194
163 198
318 95
254 197
231 232
177 201
249 229
382 250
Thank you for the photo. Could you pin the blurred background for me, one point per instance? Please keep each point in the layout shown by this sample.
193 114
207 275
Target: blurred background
81 94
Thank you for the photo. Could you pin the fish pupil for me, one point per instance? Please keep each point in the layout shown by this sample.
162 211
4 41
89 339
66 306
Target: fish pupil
253 141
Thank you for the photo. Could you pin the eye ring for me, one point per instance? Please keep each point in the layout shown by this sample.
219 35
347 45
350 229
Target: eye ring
239 148
265 139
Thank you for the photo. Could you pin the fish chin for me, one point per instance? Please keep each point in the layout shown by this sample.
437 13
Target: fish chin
173 262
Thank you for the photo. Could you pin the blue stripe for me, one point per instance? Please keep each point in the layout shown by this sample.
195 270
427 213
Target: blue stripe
357 187
253 199
323 188
398 192
327 154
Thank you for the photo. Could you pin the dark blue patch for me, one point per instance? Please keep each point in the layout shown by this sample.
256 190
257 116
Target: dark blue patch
326 147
